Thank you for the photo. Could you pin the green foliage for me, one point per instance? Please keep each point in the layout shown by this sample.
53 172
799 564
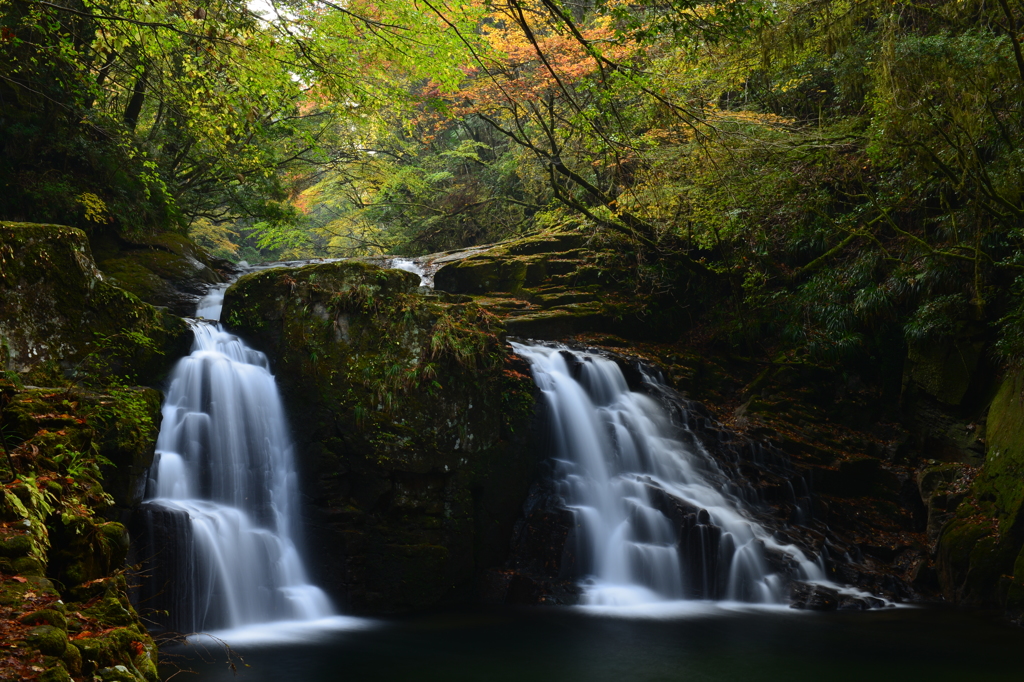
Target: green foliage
110 354
137 117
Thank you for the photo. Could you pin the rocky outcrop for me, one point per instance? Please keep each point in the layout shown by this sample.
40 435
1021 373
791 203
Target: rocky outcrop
165 269
73 457
546 286
823 488
61 319
412 422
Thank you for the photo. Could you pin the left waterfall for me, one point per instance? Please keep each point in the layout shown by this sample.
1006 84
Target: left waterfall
221 513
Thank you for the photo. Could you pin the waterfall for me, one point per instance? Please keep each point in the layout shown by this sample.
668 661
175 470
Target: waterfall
653 524
222 505
410 265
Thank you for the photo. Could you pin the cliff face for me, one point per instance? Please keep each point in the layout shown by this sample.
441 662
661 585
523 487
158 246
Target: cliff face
412 426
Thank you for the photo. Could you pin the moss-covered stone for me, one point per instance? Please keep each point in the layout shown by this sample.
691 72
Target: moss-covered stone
55 671
61 319
14 544
46 617
63 443
105 654
556 285
69 426
164 269
410 411
48 639
979 549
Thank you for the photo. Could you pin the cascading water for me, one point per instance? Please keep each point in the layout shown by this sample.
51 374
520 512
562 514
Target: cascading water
410 265
653 525
222 500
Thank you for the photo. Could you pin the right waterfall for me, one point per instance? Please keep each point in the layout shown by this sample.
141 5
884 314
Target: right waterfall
655 522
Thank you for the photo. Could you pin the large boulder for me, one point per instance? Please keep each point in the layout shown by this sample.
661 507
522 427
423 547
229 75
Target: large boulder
61 319
412 419
164 269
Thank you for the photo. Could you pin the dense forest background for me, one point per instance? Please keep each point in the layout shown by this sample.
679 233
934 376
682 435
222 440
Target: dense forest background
845 177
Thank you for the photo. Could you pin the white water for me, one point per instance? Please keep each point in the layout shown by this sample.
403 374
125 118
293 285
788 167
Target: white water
224 459
409 265
615 450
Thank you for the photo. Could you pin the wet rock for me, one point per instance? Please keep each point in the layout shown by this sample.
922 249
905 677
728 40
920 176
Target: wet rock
813 597
981 550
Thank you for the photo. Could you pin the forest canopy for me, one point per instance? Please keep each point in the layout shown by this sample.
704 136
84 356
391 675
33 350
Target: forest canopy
850 172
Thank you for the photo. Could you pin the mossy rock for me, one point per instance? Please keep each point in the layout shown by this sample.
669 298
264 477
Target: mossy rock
979 549
122 424
14 544
85 550
511 266
46 617
56 671
114 649
12 592
72 660
49 640
561 322
411 413
54 525
61 319
164 269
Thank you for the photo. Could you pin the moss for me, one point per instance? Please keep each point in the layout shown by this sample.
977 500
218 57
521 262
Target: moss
165 269
46 617
982 543
60 440
113 608
48 639
15 544
137 278
512 266
56 671
59 315
112 649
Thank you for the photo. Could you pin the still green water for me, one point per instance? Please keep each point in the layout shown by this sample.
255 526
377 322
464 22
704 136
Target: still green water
569 645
